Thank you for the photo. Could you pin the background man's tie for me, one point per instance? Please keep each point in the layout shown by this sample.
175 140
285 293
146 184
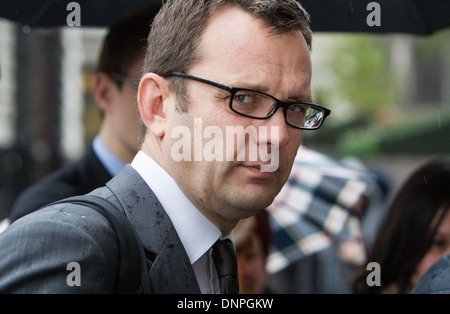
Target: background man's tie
225 260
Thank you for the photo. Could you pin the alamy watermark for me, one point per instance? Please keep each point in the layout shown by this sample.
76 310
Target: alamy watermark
74 277
74 17
374 277
374 17
237 144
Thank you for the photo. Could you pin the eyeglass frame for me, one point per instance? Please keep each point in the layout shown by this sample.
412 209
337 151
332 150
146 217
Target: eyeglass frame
124 79
279 103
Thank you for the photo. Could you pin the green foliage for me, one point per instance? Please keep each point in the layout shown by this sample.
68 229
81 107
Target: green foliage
412 133
373 111
429 47
364 142
361 64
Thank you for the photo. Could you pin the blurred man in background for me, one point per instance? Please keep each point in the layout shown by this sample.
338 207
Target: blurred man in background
118 72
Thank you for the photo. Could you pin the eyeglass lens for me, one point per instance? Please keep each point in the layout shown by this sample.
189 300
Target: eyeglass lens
258 105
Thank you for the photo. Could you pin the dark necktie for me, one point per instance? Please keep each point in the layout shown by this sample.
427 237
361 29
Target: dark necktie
225 260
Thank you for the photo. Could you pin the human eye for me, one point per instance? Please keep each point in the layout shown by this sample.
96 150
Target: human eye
245 102
252 103
242 98
438 243
297 108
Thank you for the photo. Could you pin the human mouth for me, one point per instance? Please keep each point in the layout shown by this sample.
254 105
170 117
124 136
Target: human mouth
256 171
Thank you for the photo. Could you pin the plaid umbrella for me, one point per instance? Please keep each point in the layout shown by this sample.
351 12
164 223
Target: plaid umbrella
314 209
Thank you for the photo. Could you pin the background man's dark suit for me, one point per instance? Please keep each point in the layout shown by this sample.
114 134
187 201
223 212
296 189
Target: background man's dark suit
68 233
78 178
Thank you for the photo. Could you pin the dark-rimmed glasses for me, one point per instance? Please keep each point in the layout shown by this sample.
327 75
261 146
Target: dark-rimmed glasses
258 105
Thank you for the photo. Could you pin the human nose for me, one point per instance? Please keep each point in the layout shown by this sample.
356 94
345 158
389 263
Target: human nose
277 134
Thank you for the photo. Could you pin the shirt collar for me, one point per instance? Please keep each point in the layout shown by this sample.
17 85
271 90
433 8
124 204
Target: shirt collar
110 161
196 232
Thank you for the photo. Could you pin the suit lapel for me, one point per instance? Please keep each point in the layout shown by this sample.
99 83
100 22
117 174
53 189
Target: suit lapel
171 271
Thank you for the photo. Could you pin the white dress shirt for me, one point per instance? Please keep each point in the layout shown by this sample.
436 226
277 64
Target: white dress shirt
196 232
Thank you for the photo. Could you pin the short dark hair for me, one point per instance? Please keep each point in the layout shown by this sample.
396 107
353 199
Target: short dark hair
176 30
126 40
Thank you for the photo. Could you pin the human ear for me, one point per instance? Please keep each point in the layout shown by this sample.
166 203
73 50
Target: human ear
104 91
153 92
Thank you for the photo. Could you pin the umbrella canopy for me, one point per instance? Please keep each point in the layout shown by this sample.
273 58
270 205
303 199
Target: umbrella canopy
52 13
381 16
394 16
315 208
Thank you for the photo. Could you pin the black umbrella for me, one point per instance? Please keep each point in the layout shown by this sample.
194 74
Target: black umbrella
381 16
49 13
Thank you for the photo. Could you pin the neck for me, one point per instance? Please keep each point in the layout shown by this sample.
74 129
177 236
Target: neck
117 146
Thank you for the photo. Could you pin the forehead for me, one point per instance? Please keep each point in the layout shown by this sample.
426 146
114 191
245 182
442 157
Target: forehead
445 223
235 47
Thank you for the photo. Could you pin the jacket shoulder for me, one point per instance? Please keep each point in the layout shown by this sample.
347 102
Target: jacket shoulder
38 249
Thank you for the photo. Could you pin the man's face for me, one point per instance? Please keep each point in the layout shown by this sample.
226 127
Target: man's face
238 51
125 115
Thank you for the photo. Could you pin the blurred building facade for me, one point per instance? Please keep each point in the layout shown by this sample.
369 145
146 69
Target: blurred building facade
47 114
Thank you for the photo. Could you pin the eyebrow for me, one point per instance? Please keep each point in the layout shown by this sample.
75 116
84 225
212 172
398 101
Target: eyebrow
307 99
264 89
443 234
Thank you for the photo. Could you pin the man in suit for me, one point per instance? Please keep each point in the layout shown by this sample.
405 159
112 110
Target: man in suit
187 187
120 61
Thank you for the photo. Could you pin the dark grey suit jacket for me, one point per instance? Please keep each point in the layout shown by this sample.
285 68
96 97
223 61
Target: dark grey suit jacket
36 249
